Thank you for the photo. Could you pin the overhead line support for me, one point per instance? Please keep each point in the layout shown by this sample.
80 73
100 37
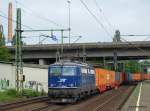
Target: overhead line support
18 58
46 30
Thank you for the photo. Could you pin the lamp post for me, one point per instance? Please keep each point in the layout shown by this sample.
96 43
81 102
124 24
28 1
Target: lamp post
69 18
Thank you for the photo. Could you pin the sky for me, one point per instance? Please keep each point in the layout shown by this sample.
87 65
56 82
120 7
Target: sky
129 16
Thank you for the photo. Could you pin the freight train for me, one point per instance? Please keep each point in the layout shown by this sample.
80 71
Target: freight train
69 81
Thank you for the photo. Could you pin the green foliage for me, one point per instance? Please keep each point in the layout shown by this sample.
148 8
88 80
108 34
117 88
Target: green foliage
2 39
12 94
109 67
30 93
8 95
132 66
4 54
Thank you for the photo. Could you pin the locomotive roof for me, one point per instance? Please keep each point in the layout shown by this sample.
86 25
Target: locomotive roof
71 63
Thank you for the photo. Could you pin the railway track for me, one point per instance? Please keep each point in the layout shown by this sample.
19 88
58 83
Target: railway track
109 101
13 105
51 107
98 108
115 102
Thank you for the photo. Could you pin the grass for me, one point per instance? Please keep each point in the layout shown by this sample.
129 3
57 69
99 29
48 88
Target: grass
12 94
30 93
8 95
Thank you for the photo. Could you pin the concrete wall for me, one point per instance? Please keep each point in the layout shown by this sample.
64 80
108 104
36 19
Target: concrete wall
36 77
7 76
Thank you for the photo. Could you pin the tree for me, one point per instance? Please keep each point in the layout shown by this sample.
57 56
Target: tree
2 38
4 54
132 66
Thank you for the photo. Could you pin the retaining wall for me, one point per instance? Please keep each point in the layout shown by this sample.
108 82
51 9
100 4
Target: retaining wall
36 76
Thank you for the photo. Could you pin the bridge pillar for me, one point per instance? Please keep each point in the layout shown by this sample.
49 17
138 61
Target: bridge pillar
42 62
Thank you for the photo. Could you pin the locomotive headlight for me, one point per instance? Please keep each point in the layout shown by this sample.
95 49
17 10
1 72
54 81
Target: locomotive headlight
71 85
52 85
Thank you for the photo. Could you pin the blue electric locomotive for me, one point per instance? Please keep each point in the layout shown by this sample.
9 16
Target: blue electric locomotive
69 81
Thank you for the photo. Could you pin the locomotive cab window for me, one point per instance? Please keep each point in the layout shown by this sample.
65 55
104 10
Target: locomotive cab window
55 71
92 71
68 71
84 70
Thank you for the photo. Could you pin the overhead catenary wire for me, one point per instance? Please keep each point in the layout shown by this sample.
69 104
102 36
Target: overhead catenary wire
136 35
142 50
96 19
30 29
147 36
131 43
5 17
101 12
89 10
38 15
103 25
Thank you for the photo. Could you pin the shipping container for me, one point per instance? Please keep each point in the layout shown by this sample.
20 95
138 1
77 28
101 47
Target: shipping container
120 77
101 77
105 79
146 76
111 79
128 77
136 77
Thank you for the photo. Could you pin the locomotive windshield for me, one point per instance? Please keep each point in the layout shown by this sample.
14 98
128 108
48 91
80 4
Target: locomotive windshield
68 71
65 71
55 71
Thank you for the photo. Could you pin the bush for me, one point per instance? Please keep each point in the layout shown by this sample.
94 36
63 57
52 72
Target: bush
8 95
4 54
26 92
11 92
30 93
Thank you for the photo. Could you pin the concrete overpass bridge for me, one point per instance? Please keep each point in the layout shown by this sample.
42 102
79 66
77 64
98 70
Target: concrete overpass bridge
45 54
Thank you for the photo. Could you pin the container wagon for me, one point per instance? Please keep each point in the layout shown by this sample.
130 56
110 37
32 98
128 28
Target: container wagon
119 78
101 77
105 79
111 79
146 76
136 77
